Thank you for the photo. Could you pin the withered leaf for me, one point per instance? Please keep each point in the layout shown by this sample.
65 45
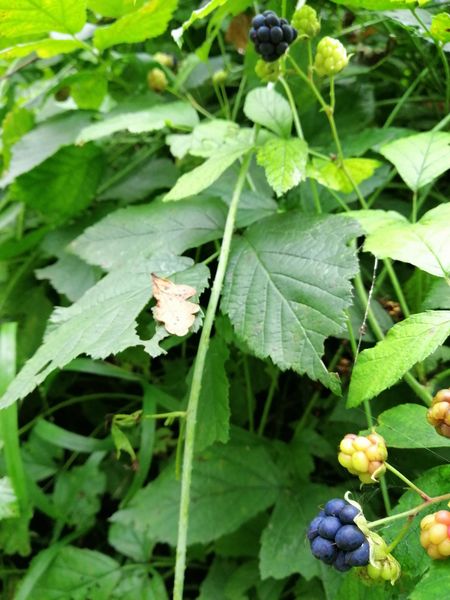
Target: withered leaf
172 306
237 32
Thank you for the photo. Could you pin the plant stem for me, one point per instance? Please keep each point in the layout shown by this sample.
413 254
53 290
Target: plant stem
397 287
194 394
398 538
408 482
268 403
249 394
287 89
414 207
412 512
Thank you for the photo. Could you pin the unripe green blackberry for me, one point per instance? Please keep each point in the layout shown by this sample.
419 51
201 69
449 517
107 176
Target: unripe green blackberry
164 59
306 22
220 76
267 71
438 414
157 80
363 456
331 57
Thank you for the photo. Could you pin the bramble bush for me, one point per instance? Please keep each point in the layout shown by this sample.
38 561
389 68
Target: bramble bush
225 300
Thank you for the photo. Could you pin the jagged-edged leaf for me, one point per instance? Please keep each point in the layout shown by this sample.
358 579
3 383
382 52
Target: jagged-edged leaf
287 288
15 125
149 21
406 426
43 141
114 8
406 344
30 17
425 244
270 109
240 474
436 579
420 158
206 174
43 48
139 117
78 573
144 230
333 176
440 27
64 185
284 161
103 321
70 276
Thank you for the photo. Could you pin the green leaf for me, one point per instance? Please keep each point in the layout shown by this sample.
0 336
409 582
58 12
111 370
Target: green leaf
239 475
43 48
284 161
270 109
380 4
332 175
9 507
130 542
200 13
78 574
135 584
438 295
149 21
88 88
425 244
420 158
213 418
406 344
436 579
31 17
114 8
202 177
412 557
58 436
287 288
62 186
284 548
440 27
214 585
406 426
102 322
42 142
139 117
136 231
70 276
15 125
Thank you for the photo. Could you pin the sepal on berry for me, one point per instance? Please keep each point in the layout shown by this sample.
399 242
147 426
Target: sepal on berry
306 22
268 72
331 57
438 414
363 456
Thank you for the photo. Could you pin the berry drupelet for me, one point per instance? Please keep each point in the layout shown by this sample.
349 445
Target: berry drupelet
335 539
271 35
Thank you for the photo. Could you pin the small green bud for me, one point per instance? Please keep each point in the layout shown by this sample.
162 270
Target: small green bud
331 57
220 76
164 59
267 71
306 22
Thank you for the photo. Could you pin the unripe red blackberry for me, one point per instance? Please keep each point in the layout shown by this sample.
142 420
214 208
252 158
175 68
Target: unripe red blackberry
435 534
331 57
271 35
438 414
363 456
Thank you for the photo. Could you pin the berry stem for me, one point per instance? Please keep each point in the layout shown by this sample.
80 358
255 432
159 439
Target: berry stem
287 89
398 538
194 394
408 482
411 513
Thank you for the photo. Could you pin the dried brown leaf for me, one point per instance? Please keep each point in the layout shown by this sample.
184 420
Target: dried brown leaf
172 306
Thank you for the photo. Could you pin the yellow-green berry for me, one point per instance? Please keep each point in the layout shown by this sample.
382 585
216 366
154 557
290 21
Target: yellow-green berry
157 80
438 414
267 71
331 57
164 59
306 22
363 456
220 76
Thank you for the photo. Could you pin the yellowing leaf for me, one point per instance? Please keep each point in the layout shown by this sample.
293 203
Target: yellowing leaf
332 175
172 307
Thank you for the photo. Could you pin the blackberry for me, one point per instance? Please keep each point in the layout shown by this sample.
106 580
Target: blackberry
271 35
335 539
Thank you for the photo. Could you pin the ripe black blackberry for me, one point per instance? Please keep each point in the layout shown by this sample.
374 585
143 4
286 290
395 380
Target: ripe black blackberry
271 35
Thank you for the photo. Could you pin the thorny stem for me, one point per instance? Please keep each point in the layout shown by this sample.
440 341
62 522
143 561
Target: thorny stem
411 513
194 394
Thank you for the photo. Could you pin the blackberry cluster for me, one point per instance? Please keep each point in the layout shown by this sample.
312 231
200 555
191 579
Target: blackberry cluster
271 35
335 539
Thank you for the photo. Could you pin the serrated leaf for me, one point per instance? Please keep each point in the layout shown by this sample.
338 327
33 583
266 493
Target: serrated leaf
202 177
406 426
78 573
149 21
412 557
440 27
129 233
331 175
70 276
62 186
240 474
406 344
420 158
102 322
15 125
114 8
31 17
436 579
270 109
43 141
43 48
213 418
139 117
425 244
284 161
287 288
